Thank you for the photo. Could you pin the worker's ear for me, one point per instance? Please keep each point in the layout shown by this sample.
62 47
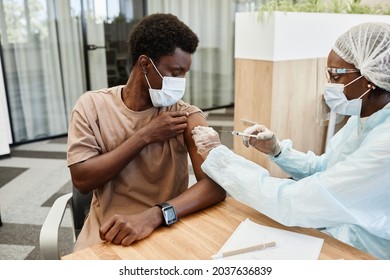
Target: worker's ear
143 64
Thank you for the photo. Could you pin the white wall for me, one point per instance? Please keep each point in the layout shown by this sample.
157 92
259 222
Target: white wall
5 129
282 36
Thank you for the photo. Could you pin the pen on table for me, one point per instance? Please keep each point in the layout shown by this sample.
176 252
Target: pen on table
238 133
244 250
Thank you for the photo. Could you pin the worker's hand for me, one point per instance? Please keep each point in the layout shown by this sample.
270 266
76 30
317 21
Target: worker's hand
165 126
265 142
125 229
205 139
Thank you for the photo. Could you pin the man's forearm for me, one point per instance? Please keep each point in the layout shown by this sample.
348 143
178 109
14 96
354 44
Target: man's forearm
97 171
201 195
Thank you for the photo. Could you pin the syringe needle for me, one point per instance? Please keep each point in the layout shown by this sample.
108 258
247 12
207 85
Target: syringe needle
238 133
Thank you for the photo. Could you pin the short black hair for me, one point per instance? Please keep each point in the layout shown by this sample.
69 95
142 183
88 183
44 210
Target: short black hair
159 35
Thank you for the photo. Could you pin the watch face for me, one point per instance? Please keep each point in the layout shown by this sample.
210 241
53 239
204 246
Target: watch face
169 215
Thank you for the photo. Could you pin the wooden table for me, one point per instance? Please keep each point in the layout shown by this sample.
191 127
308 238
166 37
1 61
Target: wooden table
201 235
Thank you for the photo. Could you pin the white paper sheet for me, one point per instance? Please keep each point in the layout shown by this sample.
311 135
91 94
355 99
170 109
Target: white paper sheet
289 245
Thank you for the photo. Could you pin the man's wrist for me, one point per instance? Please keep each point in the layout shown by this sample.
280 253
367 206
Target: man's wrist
157 219
168 213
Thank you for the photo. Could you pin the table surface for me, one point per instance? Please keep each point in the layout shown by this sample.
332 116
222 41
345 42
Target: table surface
200 235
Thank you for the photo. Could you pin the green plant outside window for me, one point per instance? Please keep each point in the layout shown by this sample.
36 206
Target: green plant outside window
321 6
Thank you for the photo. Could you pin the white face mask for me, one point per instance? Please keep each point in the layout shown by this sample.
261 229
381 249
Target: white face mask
172 90
338 102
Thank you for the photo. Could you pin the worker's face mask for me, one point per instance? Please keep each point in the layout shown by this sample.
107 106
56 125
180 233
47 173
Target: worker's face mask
172 90
338 102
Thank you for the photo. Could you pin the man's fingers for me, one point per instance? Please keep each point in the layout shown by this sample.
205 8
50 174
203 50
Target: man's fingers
104 229
128 240
178 114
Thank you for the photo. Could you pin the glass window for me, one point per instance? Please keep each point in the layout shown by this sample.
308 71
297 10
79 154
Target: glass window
42 79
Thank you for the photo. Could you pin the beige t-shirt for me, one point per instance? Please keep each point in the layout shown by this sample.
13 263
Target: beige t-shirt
100 122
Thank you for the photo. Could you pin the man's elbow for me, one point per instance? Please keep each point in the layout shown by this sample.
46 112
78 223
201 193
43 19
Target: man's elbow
218 193
81 178
81 186
221 193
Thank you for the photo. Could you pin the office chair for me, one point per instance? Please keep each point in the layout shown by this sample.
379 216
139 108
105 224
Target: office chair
79 205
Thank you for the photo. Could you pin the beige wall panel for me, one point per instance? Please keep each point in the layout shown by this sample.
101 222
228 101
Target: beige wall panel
253 101
295 102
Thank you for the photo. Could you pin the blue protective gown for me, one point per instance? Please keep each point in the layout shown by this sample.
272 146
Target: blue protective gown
346 190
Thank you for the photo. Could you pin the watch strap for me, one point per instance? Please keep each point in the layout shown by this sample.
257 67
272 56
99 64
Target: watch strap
168 212
163 205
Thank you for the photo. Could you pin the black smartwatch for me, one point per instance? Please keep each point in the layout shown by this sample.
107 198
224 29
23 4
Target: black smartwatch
168 212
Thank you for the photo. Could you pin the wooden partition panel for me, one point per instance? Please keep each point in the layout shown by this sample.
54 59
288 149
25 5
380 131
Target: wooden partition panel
285 96
253 101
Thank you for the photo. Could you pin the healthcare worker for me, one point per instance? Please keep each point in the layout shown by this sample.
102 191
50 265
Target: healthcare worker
347 189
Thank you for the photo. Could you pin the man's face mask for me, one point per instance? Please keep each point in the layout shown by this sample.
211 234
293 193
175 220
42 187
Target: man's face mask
338 102
172 90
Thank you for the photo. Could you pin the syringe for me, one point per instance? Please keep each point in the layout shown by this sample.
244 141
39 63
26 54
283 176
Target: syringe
238 133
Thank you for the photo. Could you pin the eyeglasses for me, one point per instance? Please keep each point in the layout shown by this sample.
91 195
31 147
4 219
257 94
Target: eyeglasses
335 73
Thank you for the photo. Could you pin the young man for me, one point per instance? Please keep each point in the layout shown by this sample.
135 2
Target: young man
129 144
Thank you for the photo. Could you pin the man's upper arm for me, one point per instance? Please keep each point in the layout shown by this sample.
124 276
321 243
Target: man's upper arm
82 143
193 120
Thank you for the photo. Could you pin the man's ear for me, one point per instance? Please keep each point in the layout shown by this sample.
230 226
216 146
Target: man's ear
143 64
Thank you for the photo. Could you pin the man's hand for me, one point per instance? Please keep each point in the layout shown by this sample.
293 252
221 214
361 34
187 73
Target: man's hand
125 229
166 126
